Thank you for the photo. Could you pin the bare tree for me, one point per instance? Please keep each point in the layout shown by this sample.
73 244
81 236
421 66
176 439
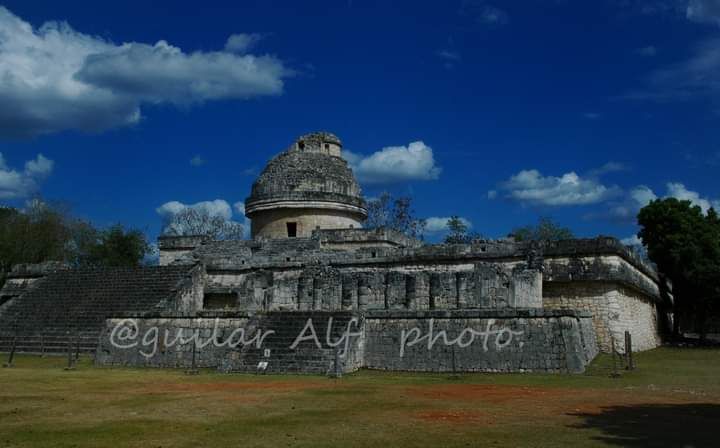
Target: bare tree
192 221
459 232
396 214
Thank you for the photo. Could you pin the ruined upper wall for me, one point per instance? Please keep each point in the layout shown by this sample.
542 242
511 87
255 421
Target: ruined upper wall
597 259
353 239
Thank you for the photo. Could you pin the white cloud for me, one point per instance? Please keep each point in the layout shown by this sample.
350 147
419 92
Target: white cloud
395 164
531 187
21 184
704 11
243 42
240 210
163 73
218 207
198 160
610 167
641 195
678 191
637 198
54 78
438 224
632 240
696 77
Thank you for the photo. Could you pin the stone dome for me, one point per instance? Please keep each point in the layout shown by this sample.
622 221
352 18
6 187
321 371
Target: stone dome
312 176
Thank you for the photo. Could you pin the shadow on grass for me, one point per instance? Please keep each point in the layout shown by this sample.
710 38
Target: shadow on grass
661 425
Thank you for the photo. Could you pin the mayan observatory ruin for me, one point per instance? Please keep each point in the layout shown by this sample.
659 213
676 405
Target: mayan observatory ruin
314 291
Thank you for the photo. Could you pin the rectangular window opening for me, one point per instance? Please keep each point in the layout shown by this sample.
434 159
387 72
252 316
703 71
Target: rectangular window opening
291 229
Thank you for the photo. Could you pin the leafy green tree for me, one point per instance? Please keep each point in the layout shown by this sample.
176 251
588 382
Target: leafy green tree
545 230
38 233
395 214
117 247
684 243
47 232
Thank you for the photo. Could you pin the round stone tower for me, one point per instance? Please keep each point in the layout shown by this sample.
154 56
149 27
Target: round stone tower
307 187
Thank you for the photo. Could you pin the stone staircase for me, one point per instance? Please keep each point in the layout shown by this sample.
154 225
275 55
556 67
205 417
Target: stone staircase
70 307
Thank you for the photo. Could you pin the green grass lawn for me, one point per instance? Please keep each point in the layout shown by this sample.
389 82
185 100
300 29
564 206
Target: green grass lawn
672 399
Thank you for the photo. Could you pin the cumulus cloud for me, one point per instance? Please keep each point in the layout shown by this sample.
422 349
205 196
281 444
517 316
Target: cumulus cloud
628 208
240 210
610 167
632 240
704 11
21 184
395 164
218 207
532 188
641 195
679 191
54 78
436 224
241 43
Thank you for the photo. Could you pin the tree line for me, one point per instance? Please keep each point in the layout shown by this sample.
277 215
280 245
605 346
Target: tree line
48 232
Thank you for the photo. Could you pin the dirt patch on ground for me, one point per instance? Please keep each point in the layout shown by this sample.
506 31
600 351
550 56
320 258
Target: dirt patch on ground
491 393
445 416
283 386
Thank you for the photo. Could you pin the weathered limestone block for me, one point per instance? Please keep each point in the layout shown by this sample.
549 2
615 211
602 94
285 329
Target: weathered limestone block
371 290
256 292
349 292
327 289
395 291
463 281
420 287
526 288
443 290
285 291
305 292
492 286
364 290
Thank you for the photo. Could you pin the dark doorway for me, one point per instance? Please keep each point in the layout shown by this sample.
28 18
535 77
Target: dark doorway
292 229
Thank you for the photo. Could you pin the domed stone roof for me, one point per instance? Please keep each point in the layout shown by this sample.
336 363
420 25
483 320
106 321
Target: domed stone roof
310 170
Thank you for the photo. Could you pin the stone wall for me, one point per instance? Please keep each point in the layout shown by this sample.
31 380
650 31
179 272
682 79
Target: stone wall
480 341
172 248
325 288
356 238
273 223
326 342
235 342
615 309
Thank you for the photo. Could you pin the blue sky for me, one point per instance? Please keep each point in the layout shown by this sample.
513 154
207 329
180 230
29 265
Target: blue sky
498 111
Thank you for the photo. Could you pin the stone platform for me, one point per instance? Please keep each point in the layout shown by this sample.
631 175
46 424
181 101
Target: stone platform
316 342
